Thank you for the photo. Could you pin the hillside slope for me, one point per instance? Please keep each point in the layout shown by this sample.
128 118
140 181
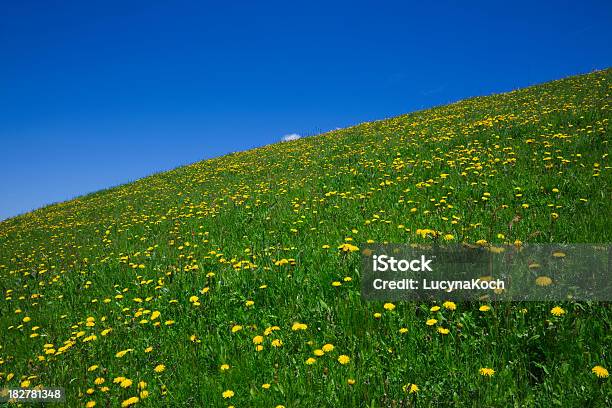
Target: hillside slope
214 263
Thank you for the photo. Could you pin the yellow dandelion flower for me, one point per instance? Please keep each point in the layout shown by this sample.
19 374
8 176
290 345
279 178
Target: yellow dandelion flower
543 281
557 311
486 372
328 347
160 368
600 371
348 248
130 401
227 394
344 359
411 388
431 322
389 306
298 326
123 353
126 383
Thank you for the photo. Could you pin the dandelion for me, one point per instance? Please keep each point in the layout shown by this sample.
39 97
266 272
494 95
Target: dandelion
442 330
449 305
265 386
310 361
249 303
543 281
99 381
130 401
377 315
123 353
277 343
126 383
258 340
224 367
411 388
350 381
236 328
298 326
318 352
600 371
90 404
348 248
344 359
328 348
389 306
227 394
484 308
557 311
160 368
431 322
434 308
486 372
403 330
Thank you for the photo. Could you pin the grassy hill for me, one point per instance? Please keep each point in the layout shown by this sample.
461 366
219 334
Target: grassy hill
192 281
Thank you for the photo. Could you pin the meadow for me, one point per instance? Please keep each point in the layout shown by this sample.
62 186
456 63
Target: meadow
235 281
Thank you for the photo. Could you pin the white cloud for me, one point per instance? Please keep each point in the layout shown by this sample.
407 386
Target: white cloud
292 136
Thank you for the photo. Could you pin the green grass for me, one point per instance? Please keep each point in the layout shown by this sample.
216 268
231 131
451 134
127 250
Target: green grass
156 241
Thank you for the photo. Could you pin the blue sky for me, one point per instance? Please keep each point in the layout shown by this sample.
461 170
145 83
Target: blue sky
95 94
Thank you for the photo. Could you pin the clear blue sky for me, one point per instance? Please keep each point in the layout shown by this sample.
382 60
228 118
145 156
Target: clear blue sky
95 94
